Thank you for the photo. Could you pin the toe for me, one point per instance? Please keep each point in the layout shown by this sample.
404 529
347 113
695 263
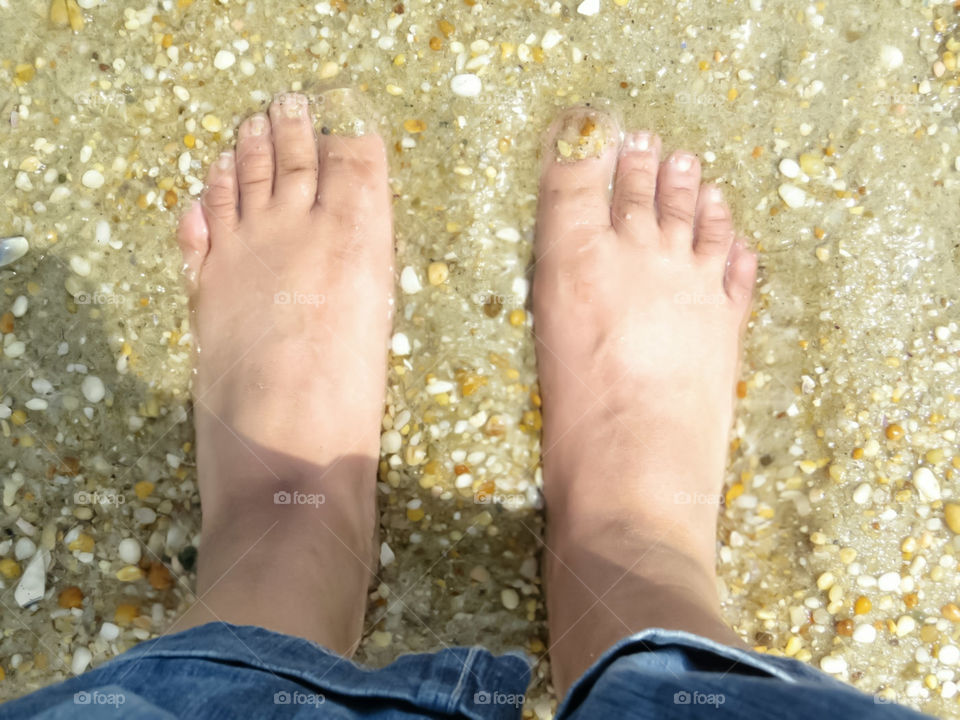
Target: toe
713 226
255 162
741 274
677 186
578 166
353 186
220 197
193 236
295 151
635 186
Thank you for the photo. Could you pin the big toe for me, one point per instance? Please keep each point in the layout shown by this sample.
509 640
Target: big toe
579 161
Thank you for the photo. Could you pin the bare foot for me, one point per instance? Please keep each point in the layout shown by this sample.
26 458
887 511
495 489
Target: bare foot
639 303
290 266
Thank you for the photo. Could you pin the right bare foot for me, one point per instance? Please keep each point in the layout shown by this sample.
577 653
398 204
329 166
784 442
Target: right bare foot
290 261
639 304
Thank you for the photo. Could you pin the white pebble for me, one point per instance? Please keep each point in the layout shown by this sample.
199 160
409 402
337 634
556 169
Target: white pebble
589 7
509 598
793 196
833 664
466 85
14 349
400 344
865 633
25 548
36 404
861 496
144 515
409 282
81 266
92 179
888 582
81 659
551 38
949 655
386 555
102 233
789 168
109 631
41 386
19 307
183 162
93 389
891 57
224 59
129 551
390 442
905 625
927 484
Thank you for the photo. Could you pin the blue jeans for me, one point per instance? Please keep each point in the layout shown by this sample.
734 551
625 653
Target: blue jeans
227 671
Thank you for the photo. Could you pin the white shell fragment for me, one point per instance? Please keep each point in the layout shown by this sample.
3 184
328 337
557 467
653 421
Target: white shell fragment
33 583
12 249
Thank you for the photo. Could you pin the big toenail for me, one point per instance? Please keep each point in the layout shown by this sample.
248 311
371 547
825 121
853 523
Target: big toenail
226 160
293 107
258 123
584 133
683 162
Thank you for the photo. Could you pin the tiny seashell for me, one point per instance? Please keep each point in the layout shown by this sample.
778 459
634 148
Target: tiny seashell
12 249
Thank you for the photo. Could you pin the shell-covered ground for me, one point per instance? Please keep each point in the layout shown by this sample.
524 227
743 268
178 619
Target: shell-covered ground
833 128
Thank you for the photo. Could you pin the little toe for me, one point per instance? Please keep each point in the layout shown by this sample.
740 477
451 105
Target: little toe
579 162
635 187
677 186
255 162
295 151
713 226
741 274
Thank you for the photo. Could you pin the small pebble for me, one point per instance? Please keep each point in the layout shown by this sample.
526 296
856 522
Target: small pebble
949 655
224 60
93 389
509 598
833 664
951 513
109 631
390 442
793 196
12 249
92 179
20 305
386 555
409 281
81 660
888 582
865 633
589 7
789 168
927 484
33 582
466 85
129 551
891 57
400 344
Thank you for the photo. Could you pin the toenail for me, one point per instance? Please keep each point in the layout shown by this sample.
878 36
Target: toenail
293 107
637 142
258 123
226 160
583 133
714 195
683 161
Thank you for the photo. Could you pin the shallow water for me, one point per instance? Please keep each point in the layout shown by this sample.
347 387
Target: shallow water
854 330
